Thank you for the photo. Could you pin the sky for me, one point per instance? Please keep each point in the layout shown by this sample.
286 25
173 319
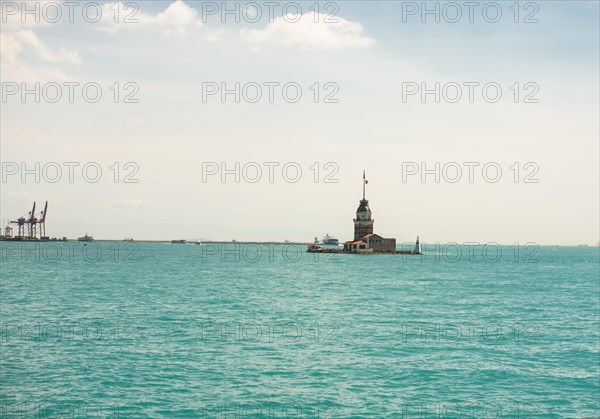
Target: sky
481 126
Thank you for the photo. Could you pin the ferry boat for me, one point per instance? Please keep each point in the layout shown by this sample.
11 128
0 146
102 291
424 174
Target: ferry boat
330 240
85 238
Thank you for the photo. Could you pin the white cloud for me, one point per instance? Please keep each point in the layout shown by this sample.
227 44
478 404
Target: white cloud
42 62
20 15
177 14
311 31
16 41
176 20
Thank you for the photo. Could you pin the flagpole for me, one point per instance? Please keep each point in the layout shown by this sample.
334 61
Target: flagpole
364 183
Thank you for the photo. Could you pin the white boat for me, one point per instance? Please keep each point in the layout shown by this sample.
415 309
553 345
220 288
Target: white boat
314 247
330 240
85 238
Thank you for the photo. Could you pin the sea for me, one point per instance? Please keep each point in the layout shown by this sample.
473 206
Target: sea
230 330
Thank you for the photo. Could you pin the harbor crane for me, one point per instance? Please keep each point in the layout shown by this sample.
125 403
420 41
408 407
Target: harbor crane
20 226
32 223
42 222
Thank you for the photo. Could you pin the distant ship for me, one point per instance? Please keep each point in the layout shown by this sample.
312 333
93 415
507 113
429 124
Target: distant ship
330 241
178 241
85 238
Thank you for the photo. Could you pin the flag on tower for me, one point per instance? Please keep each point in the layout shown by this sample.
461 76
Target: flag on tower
366 181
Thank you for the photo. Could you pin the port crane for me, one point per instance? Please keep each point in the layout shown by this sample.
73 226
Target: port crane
32 222
42 221
20 226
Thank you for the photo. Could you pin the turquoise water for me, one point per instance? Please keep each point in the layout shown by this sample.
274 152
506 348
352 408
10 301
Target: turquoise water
161 330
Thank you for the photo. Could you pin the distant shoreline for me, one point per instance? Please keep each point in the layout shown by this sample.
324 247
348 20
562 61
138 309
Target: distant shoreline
198 242
153 241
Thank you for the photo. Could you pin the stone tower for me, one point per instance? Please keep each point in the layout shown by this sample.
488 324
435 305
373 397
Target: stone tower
363 224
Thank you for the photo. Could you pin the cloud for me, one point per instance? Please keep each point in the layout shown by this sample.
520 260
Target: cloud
16 41
310 31
176 20
20 15
25 57
177 14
